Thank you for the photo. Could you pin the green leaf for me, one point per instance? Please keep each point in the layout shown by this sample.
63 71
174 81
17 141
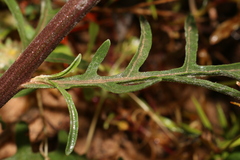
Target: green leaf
93 32
234 129
170 124
63 49
131 79
58 57
108 120
72 66
221 116
190 130
97 60
7 24
160 120
153 10
59 153
63 73
229 144
63 56
46 15
143 49
204 83
233 156
23 92
23 27
118 88
191 34
202 115
73 130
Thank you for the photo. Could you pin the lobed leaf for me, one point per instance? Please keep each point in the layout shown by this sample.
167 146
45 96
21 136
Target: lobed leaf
206 84
191 34
143 49
97 60
118 88
73 129
131 79
63 73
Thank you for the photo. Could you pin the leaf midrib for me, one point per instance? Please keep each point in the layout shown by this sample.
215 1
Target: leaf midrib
201 71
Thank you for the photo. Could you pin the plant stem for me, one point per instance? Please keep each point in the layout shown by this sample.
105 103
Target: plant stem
38 50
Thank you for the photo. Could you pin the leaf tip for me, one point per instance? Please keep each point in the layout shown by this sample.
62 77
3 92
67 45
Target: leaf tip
108 41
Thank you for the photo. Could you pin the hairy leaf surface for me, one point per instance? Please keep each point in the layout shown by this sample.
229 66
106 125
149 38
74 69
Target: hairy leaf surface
131 79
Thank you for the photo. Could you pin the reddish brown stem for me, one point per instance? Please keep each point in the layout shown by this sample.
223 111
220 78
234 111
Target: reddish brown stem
38 50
